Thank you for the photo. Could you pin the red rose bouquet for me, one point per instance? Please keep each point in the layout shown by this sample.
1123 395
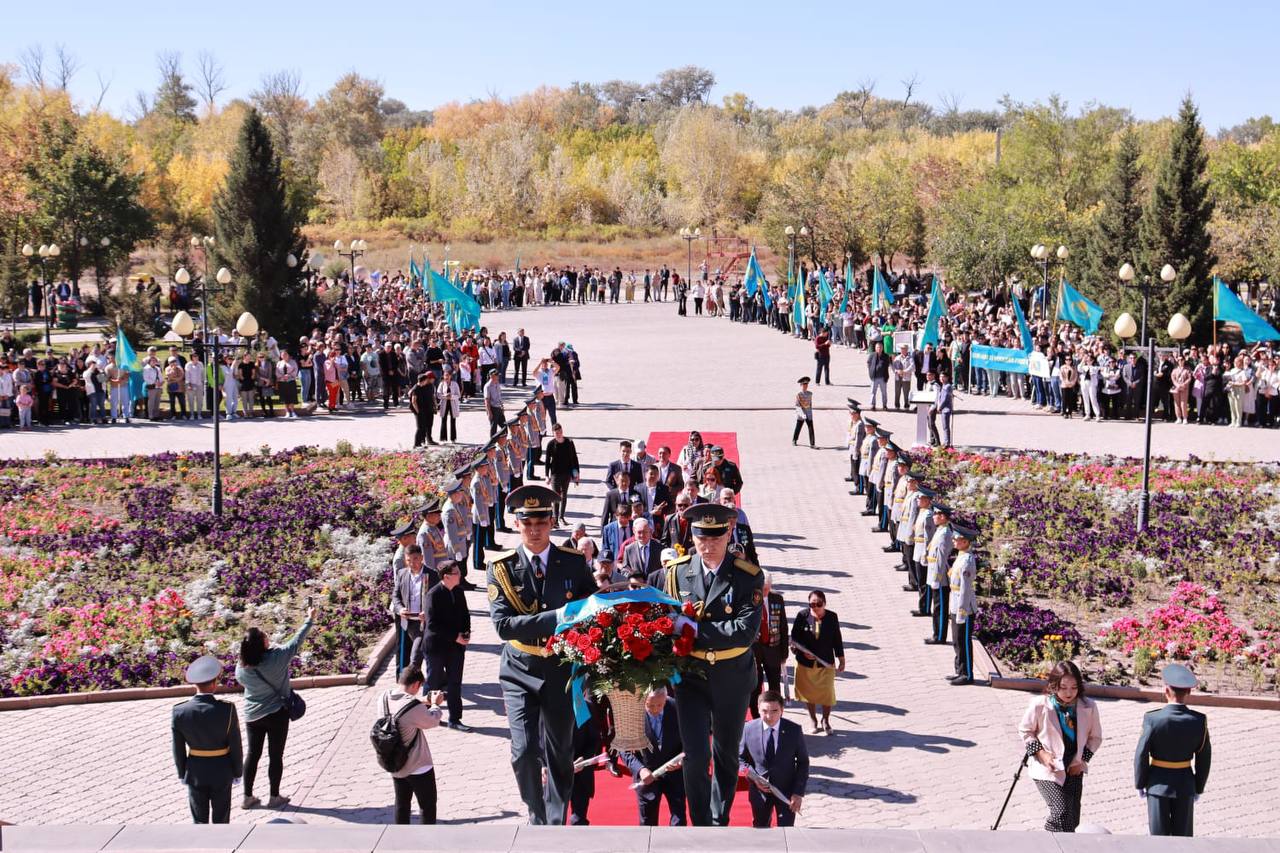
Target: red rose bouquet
624 645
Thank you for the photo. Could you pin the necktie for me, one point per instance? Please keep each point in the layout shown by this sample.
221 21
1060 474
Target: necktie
537 567
769 751
644 556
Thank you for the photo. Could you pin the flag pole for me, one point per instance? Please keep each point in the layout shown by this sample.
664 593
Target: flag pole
1057 309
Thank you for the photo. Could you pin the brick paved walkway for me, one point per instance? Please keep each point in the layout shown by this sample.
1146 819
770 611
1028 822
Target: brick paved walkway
909 751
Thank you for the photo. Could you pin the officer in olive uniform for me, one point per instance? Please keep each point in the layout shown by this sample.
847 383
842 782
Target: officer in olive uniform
725 593
206 745
938 561
964 601
1171 763
431 535
526 588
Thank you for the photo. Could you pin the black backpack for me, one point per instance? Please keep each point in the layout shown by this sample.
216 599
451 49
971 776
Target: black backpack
390 748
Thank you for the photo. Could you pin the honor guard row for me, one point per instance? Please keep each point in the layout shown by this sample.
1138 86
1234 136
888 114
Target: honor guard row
936 551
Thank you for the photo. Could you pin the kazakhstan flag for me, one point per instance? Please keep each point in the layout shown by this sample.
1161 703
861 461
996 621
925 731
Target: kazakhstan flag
1079 310
1228 308
127 359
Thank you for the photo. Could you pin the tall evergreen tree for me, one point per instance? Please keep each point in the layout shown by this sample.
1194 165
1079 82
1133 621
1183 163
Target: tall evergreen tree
1115 239
255 230
1175 229
917 242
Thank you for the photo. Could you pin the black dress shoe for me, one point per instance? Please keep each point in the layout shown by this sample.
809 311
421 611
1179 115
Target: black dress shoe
888 549
848 479
937 643
918 614
868 512
961 682
900 567
879 530
910 589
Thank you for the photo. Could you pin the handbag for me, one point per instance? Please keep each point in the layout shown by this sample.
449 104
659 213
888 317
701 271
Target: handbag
293 701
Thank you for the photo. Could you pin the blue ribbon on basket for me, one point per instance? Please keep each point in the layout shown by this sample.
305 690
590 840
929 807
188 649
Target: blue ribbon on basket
587 608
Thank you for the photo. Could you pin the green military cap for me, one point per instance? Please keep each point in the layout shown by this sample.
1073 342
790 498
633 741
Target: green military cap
940 508
803 380
925 492
881 432
532 501
1178 677
204 669
709 519
917 476
404 529
965 531
853 404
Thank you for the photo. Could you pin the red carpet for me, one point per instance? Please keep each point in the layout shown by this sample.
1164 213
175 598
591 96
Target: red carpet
677 440
615 803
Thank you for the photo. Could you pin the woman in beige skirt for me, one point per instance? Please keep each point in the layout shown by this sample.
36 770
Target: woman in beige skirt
815 636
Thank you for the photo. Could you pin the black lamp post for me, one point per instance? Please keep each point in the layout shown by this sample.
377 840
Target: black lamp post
184 326
45 253
689 235
1179 329
358 248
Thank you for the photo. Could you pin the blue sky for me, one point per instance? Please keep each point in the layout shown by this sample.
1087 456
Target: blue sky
1140 55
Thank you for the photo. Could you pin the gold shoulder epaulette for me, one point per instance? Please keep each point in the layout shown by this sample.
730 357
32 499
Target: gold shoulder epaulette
499 556
566 549
746 566
682 560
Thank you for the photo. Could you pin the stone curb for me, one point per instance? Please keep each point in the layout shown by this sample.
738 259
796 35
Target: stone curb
1137 694
383 648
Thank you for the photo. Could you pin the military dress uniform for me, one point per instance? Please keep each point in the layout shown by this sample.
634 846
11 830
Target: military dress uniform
534 439
856 433
502 464
457 525
938 557
524 596
431 537
1171 762
868 452
897 495
481 507
964 601
207 750
515 453
714 696
888 480
876 471
922 531
906 526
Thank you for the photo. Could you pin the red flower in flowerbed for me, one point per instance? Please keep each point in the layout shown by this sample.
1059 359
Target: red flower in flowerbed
630 645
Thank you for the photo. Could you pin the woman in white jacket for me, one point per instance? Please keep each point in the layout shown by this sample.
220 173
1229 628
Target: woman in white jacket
1062 731
448 395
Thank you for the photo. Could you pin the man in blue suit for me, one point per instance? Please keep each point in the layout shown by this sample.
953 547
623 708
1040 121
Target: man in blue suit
1171 763
662 728
775 749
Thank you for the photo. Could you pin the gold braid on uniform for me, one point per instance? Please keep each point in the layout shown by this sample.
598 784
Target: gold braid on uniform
503 578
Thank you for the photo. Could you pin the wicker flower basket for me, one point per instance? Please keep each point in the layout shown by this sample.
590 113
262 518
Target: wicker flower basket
628 720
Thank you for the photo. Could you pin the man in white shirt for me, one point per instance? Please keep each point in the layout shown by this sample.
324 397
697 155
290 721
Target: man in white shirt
195 385
152 377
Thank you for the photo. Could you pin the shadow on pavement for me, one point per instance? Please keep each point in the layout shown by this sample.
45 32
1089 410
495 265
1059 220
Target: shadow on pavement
885 740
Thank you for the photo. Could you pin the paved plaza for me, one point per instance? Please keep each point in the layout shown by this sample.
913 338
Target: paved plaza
909 750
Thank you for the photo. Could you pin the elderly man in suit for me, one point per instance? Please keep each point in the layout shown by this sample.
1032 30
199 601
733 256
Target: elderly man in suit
409 604
644 554
207 750
662 728
678 530
774 748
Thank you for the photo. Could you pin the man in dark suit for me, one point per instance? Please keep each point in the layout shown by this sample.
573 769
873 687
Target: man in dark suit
527 586
657 497
1171 763
644 554
730 476
678 530
207 750
520 355
942 407
662 728
389 366
666 468
409 602
775 749
445 637
622 495
772 647
624 463
926 362
1133 376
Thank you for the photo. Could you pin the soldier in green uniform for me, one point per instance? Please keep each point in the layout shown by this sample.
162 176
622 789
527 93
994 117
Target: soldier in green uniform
207 750
527 586
1171 763
725 593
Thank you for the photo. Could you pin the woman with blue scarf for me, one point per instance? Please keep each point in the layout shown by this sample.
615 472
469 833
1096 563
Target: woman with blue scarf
1062 731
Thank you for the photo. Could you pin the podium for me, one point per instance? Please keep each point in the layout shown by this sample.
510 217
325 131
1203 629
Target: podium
922 400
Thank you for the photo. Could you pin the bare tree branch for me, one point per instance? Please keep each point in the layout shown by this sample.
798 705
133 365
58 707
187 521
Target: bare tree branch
141 105
910 85
210 82
951 102
169 64
103 86
32 62
66 68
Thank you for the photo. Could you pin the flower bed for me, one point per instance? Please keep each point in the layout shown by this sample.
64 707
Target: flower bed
1064 570
114 573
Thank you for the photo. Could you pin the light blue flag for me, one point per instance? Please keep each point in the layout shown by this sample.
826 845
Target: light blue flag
127 359
753 278
825 293
1024 333
798 315
1228 308
848 285
415 274
1079 310
881 295
930 333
